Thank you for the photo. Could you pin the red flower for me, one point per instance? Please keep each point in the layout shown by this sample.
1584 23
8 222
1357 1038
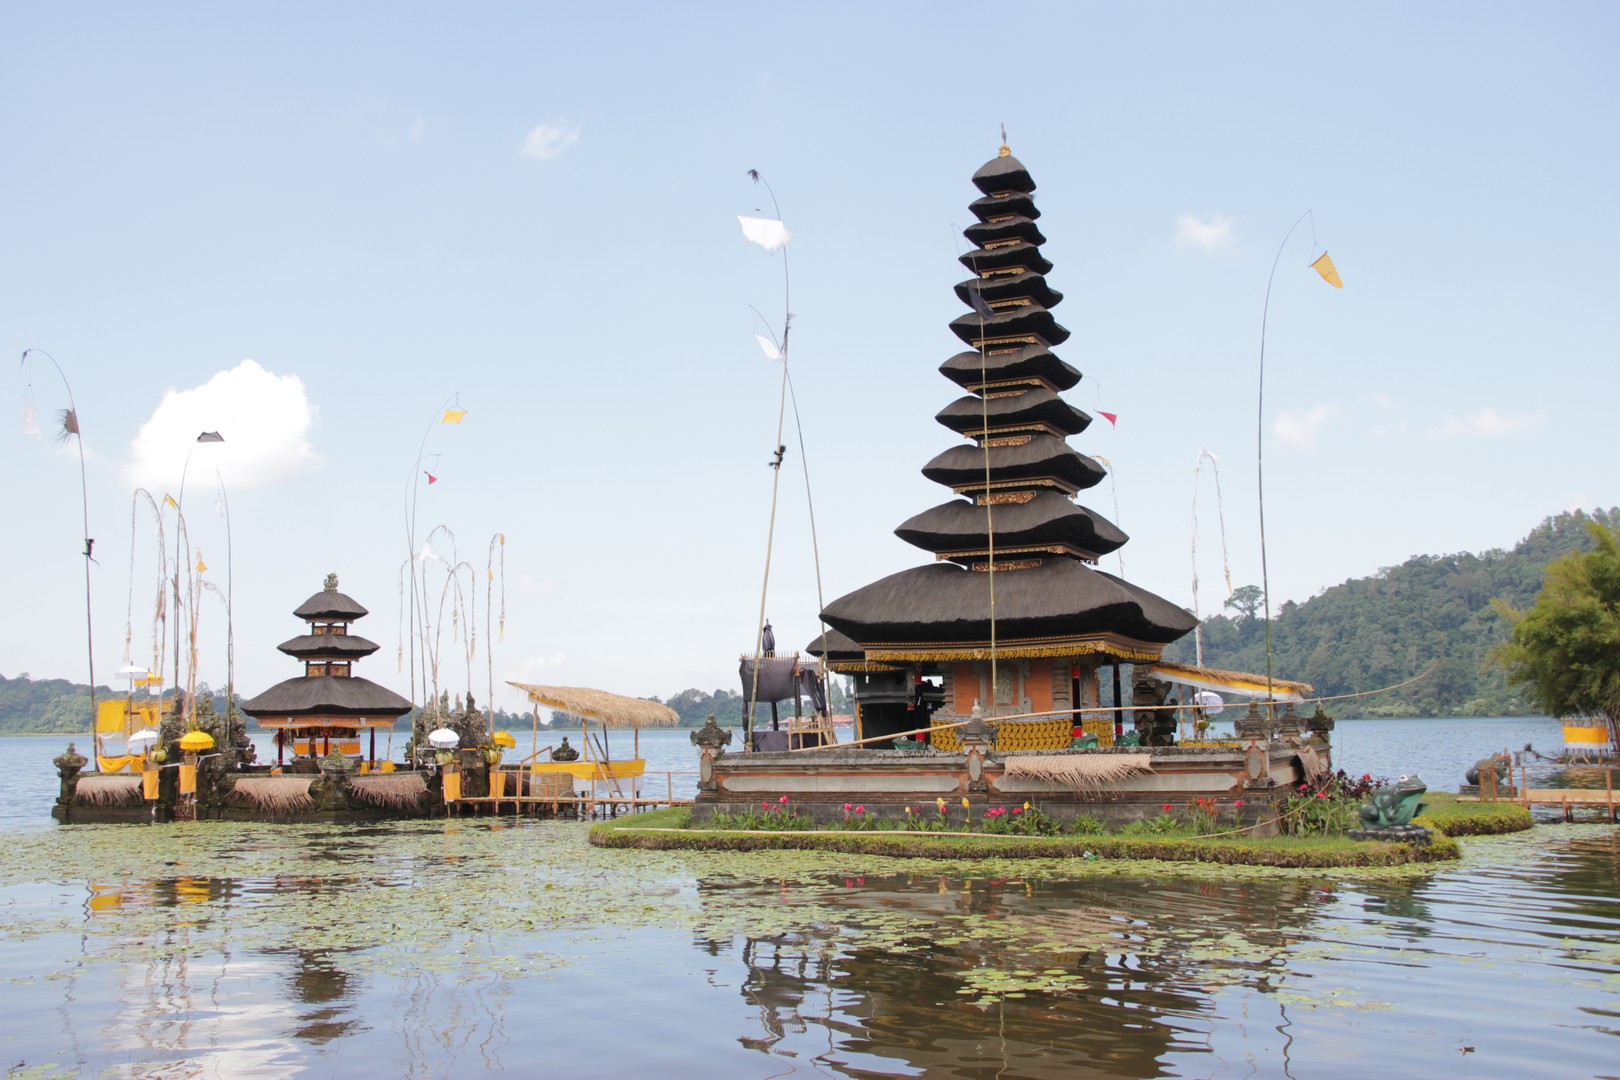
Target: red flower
1237 804
1018 809
764 805
783 800
848 806
1167 808
860 809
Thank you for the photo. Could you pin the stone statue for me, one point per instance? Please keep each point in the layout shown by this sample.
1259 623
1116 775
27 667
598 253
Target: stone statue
1389 812
1394 804
565 752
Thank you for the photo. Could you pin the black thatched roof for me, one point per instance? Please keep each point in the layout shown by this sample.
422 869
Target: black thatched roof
1003 173
320 695
1048 518
332 646
838 648
1035 405
944 604
1014 227
330 605
1007 287
1032 361
990 206
1041 458
1023 255
1009 322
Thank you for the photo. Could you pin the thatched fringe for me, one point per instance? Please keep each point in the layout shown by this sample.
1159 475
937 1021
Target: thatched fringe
398 791
104 789
1082 771
274 794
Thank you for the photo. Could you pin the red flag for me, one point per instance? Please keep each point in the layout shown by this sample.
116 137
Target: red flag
431 478
1112 418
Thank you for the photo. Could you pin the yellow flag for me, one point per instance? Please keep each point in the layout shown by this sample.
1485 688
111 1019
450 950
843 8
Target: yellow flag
453 416
202 567
168 500
1330 273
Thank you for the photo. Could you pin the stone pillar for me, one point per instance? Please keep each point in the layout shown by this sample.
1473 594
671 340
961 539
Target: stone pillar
68 766
711 741
978 739
1253 729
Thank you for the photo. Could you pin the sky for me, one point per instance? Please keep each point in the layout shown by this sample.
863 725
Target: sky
312 228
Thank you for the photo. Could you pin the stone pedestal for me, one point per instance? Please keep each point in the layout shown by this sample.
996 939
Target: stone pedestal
711 741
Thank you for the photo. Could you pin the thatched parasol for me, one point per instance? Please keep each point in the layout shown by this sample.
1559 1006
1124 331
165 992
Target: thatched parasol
612 710
609 710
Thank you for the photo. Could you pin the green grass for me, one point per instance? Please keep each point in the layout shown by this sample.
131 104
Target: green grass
642 831
1455 818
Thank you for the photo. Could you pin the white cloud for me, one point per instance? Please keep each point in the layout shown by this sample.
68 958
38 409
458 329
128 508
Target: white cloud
1487 423
1208 234
1301 428
264 419
544 663
546 141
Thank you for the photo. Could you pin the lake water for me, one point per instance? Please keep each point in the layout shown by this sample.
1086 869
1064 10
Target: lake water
434 949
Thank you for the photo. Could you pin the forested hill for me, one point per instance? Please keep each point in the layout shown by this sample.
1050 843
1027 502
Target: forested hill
1374 632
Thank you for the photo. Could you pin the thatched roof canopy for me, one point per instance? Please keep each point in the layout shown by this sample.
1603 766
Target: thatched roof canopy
1242 683
335 646
969 368
327 695
1037 405
1042 457
1061 599
1048 518
1003 173
613 710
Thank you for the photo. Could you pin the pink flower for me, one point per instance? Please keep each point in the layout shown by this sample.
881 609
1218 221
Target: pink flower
1321 794
848 806
764 806
860 809
1018 809
1237 804
783 800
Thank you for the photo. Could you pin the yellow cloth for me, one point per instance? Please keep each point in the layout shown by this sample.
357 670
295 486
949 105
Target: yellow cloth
188 779
452 786
116 763
453 416
1330 273
149 784
497 784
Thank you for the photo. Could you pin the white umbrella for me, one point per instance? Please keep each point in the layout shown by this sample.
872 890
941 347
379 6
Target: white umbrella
443 739
1211 702
142 738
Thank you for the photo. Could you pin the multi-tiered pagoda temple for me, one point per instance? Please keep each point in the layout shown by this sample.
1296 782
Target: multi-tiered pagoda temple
329 706
1014 587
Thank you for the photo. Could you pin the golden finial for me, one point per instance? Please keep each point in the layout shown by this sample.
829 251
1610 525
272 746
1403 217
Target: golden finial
1005 151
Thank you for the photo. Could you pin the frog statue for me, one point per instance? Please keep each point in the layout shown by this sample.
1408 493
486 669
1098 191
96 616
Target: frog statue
1388 814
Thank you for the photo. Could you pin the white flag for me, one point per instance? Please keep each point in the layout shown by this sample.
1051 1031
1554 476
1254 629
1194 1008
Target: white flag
769 346
768 233
30 420
427 553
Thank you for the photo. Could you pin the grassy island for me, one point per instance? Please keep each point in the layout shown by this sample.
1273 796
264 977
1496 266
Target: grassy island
1446 817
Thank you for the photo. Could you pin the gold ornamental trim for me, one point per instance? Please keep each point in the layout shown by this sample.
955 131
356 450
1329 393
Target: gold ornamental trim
1005 497
1003 485
1008 440
1139 652
1009 565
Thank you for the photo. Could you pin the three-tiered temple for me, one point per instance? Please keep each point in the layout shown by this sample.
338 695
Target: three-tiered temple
329 706
1014 589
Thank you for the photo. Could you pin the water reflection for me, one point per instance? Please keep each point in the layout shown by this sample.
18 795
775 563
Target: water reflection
958 977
